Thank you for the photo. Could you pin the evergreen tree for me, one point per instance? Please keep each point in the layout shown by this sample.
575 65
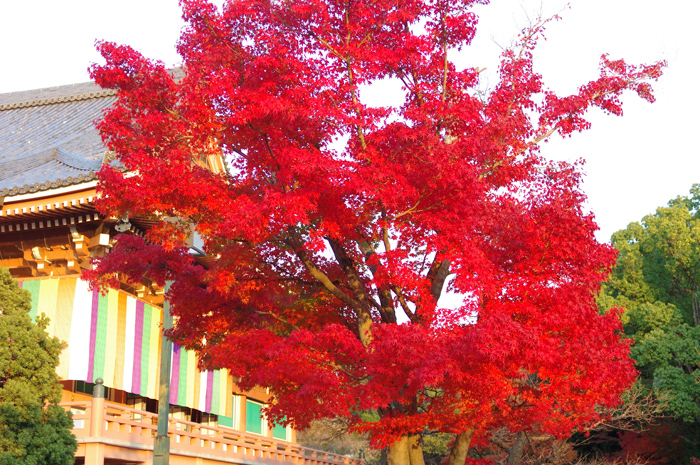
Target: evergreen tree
34 429
657 281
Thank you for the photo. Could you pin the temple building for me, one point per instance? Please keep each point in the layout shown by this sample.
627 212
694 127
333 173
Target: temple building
49 231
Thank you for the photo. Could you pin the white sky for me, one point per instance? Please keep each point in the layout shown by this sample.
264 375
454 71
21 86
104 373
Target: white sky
634 163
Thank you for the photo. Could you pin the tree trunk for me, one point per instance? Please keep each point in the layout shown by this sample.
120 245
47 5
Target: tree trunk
458 454
398 452
515 454
415 449
557 449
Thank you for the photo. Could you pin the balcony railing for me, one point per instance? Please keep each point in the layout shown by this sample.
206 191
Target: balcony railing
117 427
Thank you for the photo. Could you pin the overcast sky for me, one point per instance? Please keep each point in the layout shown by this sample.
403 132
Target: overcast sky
634 163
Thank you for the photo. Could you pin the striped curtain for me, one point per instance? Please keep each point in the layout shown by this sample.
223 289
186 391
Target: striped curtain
116 337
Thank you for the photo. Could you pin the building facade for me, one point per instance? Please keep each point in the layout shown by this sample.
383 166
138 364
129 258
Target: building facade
49 231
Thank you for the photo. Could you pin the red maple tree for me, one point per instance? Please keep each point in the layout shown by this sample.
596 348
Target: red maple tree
345 233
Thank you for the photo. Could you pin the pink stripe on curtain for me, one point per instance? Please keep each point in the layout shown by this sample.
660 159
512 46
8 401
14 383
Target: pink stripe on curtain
175 375
93 334
138 341
210 389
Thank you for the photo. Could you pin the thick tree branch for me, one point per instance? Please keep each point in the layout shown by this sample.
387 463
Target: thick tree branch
515 453
458 453
386 309
319 275
276 317
437 274
385 232
413 209
404 305
385 293
358 289
348 266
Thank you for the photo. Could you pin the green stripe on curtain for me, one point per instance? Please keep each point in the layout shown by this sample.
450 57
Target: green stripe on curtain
101 337
145 348
215 392
182 385
33 288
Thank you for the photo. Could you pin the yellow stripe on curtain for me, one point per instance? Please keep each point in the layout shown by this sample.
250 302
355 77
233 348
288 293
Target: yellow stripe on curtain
228 410
192 378
120 332
48 298
64 318
111 340
153 354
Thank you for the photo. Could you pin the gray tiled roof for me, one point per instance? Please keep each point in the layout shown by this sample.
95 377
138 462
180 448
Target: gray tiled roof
48 138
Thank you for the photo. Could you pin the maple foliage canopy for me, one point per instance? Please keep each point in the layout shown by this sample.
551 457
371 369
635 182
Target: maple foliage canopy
423 261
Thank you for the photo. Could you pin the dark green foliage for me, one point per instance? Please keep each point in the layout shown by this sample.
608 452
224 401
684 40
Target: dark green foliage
34 430
657 279
659 260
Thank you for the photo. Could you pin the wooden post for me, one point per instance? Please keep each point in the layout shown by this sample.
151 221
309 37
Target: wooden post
242 414
161 445
97 418
94 451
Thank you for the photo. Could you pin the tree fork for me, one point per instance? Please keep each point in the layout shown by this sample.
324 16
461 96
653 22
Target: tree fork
387 306
364 318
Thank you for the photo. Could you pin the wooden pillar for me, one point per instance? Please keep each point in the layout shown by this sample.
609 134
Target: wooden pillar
243 412
161 445
95 452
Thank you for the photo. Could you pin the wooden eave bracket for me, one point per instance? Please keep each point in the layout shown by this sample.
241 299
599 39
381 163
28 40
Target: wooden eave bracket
80 242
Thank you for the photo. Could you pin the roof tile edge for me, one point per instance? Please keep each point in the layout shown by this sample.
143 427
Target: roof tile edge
70 98
48 185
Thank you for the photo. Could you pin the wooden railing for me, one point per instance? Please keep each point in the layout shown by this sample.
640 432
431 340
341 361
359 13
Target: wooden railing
94 420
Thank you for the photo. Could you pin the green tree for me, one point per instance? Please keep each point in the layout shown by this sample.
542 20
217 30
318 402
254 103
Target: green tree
659 262
34 429
657 280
